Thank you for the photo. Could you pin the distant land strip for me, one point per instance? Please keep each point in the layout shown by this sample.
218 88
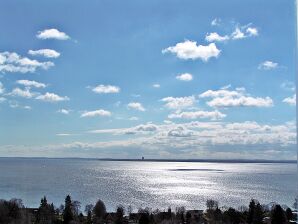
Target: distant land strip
165 160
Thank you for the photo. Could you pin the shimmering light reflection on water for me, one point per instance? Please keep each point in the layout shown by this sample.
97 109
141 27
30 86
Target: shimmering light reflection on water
152 184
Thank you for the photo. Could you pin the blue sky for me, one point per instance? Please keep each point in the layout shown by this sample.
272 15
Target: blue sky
160 79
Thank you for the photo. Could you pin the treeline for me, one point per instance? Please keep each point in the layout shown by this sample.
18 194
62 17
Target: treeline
14 212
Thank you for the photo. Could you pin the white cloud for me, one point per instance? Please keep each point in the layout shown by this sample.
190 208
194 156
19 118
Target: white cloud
238 34
136 106
64 111
190 50
246 101
16 105
2 89
96 113
268 65
168 122
206 135
136 130
245 140
235 98
180 131
213 37
213 115
220 93
290 100
179 102
106 89
63 134
215 22
287 85
149 127
25 93
52 34
2 99
52 97
252 31
156 85
133 118
184 77
12 62
48 53
29 83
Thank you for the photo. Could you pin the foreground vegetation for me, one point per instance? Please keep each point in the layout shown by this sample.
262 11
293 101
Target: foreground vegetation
14 212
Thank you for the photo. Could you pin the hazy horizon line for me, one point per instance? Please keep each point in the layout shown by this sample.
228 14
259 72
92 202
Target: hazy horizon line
158 160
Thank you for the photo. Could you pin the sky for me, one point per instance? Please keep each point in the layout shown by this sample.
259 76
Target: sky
160 79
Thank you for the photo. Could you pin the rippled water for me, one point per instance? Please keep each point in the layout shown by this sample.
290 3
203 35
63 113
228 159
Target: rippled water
141 184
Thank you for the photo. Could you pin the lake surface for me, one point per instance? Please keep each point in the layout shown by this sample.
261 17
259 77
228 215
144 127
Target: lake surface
146 184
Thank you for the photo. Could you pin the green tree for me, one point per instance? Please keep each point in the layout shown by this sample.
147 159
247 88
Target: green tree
258 214
46 212
67 214
99 211
144 217
251 210
88 210
278 215
289 214
119 214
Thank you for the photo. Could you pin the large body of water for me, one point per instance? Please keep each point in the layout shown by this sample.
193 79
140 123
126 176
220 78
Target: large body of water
146 184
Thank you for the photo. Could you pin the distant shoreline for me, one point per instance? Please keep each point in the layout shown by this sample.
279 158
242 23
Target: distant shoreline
165 160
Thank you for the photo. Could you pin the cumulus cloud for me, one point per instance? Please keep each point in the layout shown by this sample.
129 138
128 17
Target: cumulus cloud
246 140
240 32
223 92
101 89
25 93
136 106
64 111
2 89
213 115
96 113
31 83
52 34
244 32
235 98
51 97
190 50
290 100
237 34
178 102
252 31
48 53
246 101
215 37
268 65
12 62
200 135
180 132
184 77
149 127
156 85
